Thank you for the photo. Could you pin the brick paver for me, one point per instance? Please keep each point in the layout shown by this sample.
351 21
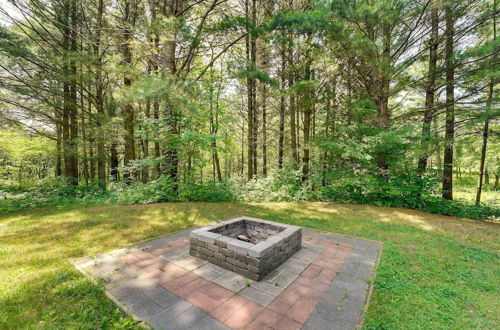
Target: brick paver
323 286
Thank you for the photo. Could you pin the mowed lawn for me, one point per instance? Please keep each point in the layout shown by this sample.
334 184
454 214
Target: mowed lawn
435 272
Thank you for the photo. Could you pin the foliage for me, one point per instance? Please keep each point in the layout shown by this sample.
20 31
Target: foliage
285 185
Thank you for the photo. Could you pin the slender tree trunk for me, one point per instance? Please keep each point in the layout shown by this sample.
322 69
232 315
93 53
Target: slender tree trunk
128 110
307 107
349 92
70 121
253 61
450 107
293 127
486 129
250 97
59 149
100 114
145 145
264 125
281 142
171 9
214 130
381 85
430 91
84 141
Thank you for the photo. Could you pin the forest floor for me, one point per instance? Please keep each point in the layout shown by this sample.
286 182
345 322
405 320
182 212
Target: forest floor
434 272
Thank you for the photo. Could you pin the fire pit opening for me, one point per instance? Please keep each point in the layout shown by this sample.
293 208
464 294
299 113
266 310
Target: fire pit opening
247 246
248 230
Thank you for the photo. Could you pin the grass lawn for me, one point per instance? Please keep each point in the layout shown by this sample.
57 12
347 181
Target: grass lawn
435 271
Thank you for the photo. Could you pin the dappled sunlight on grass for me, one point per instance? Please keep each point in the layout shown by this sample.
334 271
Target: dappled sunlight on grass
36 247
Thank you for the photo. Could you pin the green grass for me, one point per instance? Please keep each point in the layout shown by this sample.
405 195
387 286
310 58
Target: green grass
435 272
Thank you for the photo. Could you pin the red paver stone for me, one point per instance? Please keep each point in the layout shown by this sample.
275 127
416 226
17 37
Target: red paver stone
227 309
174 270
130 259
302 309
151 262
304 291
306 285
270 318
160 277
279 306
244 316
203 301
329 252
142 255
289 324
289 296
160 250
312 271
156 264
326 276
258 325
178 283
217 292
342 254
333 265
191 287
324 241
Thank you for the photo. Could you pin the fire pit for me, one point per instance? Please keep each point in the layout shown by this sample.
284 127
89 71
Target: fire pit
247 246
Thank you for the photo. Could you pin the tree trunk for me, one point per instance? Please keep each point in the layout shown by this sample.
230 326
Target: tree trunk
70 120
128 110
84 141
281 142
100 116
483 148
214 127
253 63
171 9
113 161
145 145
250 53
307 104
381 86
450 108
429 92
58 149
265 61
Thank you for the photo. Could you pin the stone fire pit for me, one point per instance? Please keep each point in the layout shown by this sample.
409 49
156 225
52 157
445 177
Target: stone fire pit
247 246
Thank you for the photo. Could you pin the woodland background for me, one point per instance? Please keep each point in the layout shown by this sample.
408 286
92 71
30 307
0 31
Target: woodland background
138 101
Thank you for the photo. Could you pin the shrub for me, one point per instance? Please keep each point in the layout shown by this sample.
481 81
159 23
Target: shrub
210 192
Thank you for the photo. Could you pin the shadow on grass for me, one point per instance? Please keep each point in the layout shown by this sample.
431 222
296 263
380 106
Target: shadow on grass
431 263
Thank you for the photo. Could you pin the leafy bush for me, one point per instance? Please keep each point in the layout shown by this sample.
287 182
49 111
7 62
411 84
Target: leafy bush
210 192
438 205
408 191
398 191
281 185
155 191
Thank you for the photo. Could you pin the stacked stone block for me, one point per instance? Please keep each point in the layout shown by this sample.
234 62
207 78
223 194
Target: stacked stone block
253 261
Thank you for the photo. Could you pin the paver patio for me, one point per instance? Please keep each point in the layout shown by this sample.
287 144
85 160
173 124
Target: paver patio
325 285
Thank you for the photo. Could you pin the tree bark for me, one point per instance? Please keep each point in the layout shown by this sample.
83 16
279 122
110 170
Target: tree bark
281 142
306 106
450 107
250 53
430 91
100 115
170 10
128 110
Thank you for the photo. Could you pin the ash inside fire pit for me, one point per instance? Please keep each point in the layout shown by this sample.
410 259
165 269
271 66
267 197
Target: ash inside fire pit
249 231
247 246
